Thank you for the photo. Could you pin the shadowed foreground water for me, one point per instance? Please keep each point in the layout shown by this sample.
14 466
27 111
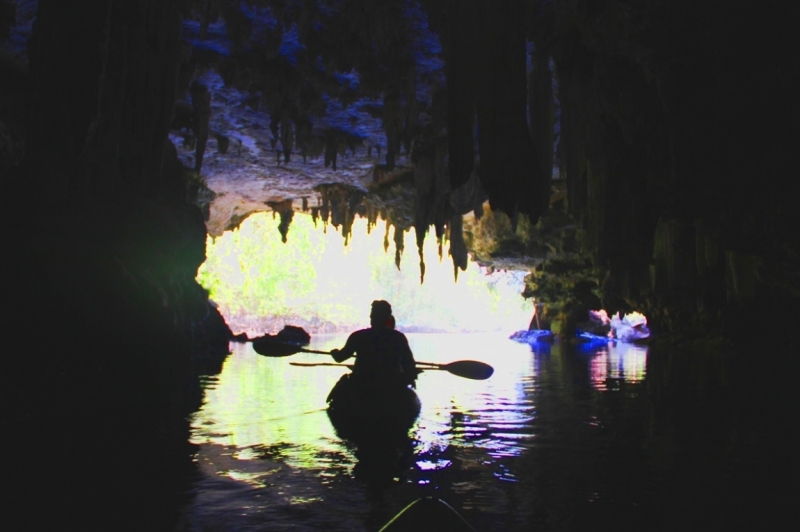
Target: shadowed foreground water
560 438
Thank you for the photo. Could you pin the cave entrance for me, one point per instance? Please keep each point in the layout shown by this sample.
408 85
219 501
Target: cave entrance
319 281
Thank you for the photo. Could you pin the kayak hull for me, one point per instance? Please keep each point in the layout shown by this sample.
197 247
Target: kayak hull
358 412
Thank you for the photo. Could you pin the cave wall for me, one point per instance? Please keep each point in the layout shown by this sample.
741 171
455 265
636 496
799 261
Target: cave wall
678 120
675 124
109 329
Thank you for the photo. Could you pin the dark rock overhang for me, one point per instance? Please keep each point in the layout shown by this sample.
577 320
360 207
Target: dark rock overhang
316 139
658 128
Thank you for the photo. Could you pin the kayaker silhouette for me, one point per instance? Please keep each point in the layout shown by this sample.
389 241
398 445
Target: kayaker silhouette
383 355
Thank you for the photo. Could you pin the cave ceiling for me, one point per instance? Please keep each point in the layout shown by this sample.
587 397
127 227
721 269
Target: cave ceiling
642 153
252 160
336 112
333 109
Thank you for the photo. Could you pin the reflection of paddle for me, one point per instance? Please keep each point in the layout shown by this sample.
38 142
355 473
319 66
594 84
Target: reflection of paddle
469 369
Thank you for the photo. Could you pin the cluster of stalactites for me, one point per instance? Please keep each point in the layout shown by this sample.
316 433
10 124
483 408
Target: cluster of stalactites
339 205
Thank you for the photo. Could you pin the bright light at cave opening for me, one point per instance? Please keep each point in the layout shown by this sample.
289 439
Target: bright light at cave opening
316 282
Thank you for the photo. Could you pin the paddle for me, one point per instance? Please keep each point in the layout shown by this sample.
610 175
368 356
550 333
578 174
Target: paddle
315 364
469 369
270 348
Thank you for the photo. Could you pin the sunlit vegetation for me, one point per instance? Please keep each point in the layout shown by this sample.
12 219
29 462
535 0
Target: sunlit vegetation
317 282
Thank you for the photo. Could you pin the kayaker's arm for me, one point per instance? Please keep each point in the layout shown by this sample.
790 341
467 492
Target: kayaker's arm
349 349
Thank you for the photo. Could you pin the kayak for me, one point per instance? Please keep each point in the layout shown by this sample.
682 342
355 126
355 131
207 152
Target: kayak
357 411
428 514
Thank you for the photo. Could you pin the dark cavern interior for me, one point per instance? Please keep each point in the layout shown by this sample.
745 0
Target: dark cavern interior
631 156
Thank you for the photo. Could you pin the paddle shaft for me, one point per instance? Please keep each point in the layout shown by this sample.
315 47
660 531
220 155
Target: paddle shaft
299 349
315 351
349 366
315 364
469 369
418 362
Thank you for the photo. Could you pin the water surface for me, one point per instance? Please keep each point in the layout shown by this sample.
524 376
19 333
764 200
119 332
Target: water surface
559 438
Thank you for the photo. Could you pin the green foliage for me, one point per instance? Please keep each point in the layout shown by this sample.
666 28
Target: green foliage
250 271
251 274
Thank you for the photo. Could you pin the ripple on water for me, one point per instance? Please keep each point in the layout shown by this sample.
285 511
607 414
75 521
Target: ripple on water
269 454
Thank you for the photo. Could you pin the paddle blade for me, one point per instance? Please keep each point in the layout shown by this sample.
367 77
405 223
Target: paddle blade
271 348
470 369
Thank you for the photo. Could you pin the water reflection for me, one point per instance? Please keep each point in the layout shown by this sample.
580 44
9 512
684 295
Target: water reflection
564 439
615 362
267 447
267 403
483 414
264 418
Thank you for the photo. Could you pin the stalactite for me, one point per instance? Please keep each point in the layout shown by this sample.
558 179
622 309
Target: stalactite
469 197
741 276
411 119
342 203
372 216
303 136
424 183
421 266
275 129
392 125
324 213
664 255
201 103
223 143
324 201
399 245
458 248
205 19
237 24
508 162
542 118
286 212
431 188
286 221
461 71
331 150
420 234
287 138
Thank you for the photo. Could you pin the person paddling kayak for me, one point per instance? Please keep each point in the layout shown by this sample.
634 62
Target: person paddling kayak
384 356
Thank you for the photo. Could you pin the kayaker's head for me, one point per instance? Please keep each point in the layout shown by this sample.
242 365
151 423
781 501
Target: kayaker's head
381 315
